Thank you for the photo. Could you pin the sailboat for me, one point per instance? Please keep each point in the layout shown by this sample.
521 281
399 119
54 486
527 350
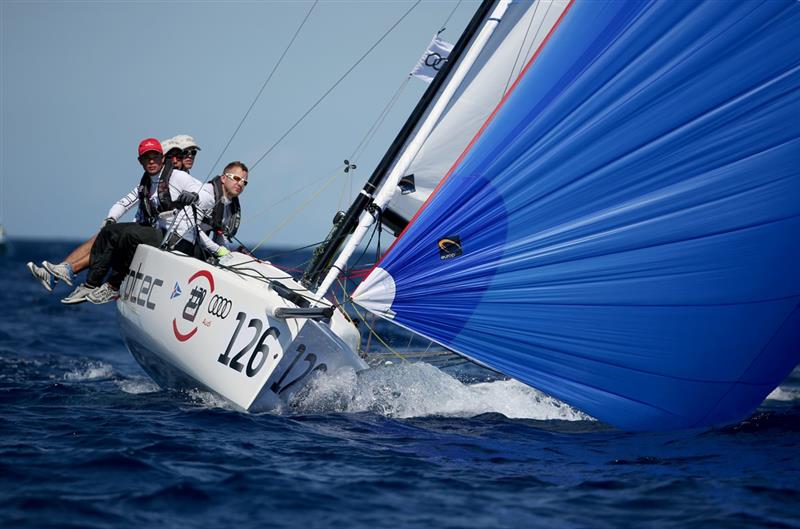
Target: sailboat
599 199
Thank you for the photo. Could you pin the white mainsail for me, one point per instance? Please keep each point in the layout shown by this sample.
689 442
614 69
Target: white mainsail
510 35
523 28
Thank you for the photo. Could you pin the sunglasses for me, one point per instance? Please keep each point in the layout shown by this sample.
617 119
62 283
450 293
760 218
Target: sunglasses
190 153
150 157
236 178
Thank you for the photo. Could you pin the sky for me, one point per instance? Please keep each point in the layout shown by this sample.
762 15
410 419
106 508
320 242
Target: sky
83 82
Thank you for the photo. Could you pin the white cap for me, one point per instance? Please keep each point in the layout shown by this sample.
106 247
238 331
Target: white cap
170 144
185 141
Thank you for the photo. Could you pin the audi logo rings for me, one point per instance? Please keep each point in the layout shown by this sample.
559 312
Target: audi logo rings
435 61
219 306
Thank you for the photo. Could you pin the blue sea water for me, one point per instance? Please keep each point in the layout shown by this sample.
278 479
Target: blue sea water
87 440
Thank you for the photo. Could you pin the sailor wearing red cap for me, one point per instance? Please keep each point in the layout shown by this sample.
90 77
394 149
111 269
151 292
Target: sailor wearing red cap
161 190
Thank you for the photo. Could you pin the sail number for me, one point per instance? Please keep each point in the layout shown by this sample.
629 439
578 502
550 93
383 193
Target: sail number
311 367
252 357
255 356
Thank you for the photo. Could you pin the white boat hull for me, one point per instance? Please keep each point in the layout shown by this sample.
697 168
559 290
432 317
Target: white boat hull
192 325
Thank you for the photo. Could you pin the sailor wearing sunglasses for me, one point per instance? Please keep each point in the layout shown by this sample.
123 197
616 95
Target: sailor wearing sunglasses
161 191
221 212
189 150
180 152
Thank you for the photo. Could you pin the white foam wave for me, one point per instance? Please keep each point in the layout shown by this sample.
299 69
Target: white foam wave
784 394
208 399
138 387
92 371
418 390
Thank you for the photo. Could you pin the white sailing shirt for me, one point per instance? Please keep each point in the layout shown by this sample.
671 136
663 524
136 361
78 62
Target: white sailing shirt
179 181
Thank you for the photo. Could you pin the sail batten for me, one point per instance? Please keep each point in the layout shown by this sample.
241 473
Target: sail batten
623 234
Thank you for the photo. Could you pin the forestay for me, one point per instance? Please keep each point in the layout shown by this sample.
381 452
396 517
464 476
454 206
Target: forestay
623 234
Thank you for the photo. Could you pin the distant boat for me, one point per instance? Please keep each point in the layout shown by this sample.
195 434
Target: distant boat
2 235
599 199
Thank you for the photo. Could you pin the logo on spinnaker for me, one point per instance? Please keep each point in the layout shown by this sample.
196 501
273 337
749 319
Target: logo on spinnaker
176 291
449 247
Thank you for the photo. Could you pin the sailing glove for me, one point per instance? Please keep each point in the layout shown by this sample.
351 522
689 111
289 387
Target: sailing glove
221 252
187 198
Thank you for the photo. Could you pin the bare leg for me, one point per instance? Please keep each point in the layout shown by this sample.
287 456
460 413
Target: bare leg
78 259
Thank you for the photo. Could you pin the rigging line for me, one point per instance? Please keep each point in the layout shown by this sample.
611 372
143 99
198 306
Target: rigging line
447 20
257 275
296 212
297 191
263 86
370 135
381 118
366 248
525 38
533 42
364 56
268 209
373 333
287 252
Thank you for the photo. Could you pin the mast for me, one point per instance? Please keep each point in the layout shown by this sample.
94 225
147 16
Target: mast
410 151
324 254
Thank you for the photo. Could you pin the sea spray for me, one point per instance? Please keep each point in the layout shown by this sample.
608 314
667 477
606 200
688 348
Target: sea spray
419 389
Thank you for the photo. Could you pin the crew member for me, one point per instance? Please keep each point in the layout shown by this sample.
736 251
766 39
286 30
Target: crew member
116 243
221 214
189 150
48 274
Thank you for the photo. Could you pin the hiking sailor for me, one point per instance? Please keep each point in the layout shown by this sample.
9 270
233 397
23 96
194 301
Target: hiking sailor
117 242
48 274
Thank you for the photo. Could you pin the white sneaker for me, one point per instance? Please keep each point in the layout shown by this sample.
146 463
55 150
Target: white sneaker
79 294
42 276
61 271
102 294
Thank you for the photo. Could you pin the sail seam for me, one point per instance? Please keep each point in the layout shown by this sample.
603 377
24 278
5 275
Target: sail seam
745 370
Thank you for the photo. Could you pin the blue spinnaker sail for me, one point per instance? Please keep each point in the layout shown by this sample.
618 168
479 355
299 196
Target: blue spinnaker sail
625 232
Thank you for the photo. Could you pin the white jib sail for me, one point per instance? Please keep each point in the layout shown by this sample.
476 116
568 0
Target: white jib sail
522 30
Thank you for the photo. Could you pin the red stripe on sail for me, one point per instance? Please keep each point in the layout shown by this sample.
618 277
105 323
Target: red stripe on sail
479 133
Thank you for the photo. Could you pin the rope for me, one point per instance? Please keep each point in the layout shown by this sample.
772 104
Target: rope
372 331
447 20
295 212
522 45
296 192
370 134
296 123
263 86
287 252
381 118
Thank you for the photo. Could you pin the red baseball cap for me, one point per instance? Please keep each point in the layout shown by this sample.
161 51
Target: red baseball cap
150 144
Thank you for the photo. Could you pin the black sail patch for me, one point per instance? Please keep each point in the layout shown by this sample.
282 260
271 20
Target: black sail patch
449 247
